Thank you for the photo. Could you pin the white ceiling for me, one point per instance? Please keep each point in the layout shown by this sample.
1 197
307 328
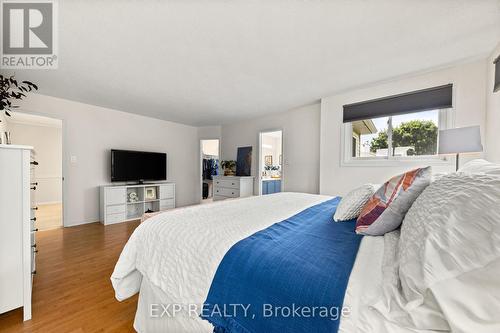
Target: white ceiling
204 62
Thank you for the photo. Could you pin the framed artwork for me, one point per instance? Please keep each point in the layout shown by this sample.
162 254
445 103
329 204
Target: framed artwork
150 193
244 161
268 160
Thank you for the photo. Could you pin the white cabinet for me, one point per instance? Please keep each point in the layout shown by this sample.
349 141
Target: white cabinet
120 203
17 223
232 187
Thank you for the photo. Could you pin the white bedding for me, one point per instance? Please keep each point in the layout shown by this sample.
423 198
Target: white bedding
179 251
195 239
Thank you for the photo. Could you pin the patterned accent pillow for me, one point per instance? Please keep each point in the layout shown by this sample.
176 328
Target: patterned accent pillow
352 204
387 208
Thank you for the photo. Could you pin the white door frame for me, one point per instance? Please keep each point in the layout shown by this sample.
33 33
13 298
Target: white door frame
63 157
260 158
201 164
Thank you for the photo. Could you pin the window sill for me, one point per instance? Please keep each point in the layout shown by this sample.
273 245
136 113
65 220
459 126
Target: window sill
398 162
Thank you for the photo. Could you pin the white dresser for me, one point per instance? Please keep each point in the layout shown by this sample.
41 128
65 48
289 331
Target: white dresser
17 228
120 203
232 187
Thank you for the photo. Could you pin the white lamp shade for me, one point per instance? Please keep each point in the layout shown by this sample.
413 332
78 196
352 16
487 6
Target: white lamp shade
460 140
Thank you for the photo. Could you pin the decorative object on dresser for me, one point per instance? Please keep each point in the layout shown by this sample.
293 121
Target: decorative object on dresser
120 203
460 140
228 167
8 139
150 193
17 227
244 161
232 187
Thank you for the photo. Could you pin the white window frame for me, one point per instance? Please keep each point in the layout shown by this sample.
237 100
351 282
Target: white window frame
446 121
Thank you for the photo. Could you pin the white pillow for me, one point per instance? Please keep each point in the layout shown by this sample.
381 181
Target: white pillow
480 166
351 205
451 237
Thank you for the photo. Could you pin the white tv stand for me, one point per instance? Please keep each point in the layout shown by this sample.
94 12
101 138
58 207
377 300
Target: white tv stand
117 205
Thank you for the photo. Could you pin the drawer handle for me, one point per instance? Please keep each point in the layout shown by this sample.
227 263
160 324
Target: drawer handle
35 251
33 188
35 230
34 245
34 183
232 192
33 219
34 272
34 208
232 183
34 163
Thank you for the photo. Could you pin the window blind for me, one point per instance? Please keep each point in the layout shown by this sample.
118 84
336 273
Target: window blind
415 101
496 87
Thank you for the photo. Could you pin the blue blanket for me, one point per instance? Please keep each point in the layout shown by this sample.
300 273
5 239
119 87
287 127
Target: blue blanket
290 277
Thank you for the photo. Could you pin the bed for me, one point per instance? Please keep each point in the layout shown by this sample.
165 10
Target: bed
194 242
175 261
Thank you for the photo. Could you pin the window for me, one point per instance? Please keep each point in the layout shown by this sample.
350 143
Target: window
401 127
408 135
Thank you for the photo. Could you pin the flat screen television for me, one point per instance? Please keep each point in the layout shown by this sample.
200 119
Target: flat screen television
137 166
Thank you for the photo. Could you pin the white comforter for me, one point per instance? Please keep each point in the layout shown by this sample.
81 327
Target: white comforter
177 254
179 251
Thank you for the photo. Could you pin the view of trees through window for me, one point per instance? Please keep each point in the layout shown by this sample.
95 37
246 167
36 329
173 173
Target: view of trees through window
414 134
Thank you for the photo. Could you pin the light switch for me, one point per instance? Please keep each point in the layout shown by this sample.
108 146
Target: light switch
73 159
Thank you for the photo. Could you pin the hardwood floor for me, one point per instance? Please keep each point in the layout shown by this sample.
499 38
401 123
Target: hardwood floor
72 292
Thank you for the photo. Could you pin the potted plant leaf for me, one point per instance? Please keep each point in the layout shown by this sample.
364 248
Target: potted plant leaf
229 167
12 90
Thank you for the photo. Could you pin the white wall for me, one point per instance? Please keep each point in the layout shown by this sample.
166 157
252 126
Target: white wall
209 132
210 147
469 107
300 145
89 132
492 112
47 142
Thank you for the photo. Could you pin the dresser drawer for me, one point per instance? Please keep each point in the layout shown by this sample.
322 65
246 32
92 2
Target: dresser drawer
116 196
219 197
167 204
115 218
116 209
227 192
227 183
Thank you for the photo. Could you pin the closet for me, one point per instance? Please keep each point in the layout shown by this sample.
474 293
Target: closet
210 167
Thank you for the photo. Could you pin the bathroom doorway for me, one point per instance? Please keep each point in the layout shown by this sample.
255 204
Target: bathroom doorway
271 162
210 167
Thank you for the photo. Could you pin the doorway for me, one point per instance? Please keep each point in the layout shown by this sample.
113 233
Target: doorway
271 175
210 167
44 134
